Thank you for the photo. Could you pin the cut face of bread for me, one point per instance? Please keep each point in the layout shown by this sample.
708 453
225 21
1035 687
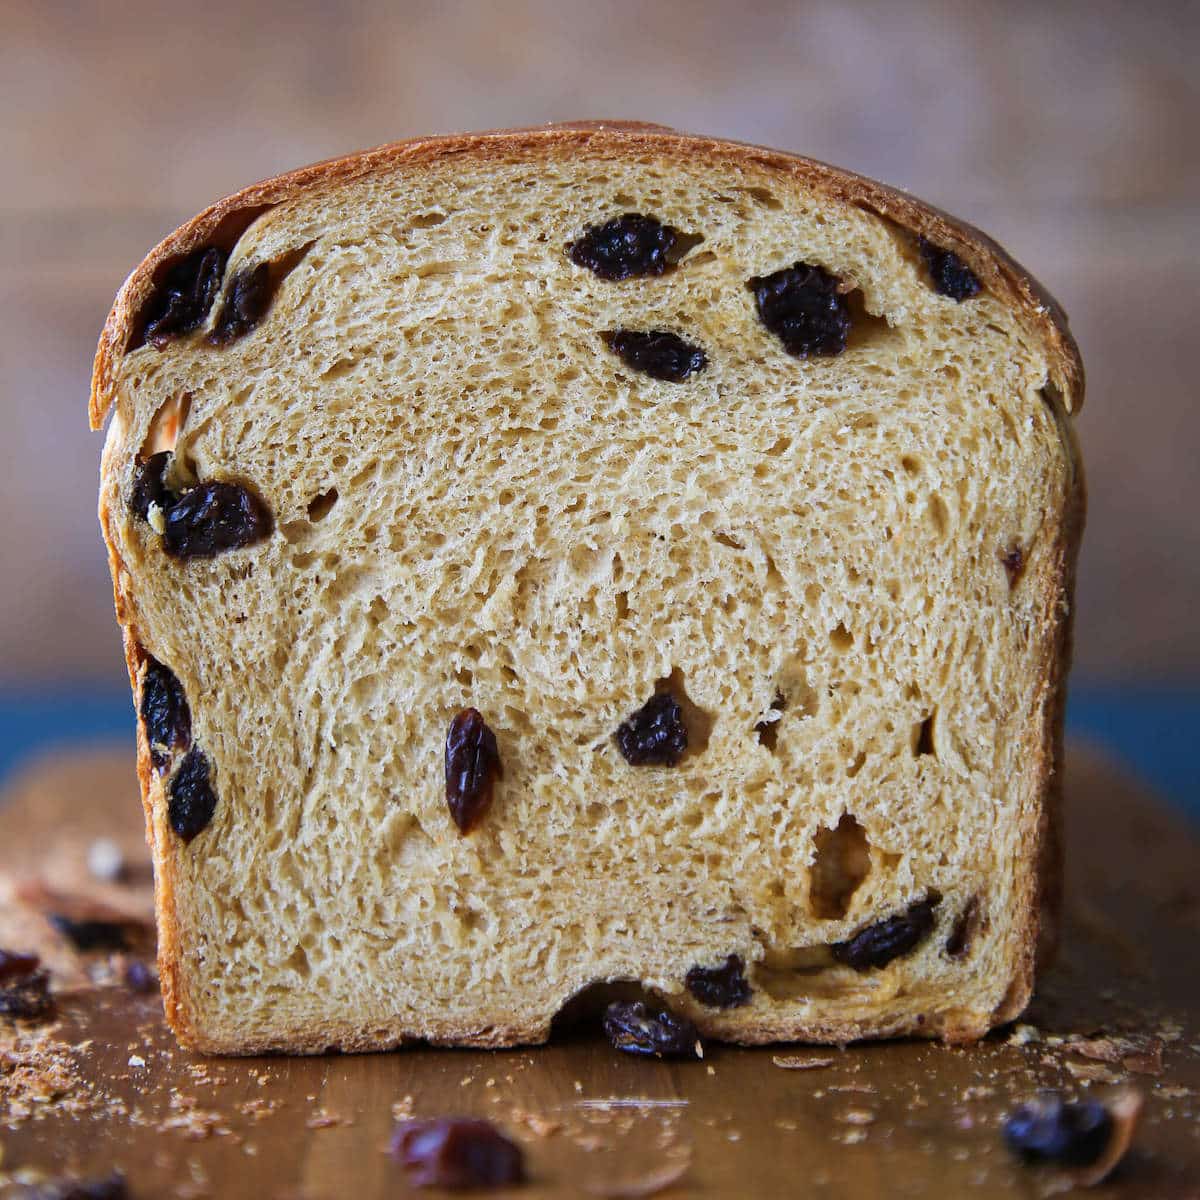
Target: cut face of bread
581 555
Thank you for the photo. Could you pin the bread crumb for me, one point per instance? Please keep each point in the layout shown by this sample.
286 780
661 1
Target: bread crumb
857 1116
1024 1035
794 1062
136 1060
325 1120
1092 1073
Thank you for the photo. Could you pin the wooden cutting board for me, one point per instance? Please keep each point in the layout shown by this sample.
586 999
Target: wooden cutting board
105 1086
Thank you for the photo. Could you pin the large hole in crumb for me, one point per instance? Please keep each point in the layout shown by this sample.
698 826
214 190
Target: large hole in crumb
166 425
922 738
841 639
763 196
939 515
841 863
685 243
866 328
698 721
768 728
320 506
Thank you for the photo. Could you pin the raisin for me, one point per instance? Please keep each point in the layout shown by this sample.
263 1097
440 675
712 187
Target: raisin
951 276
139 977
107 1187
472 766
655 735
719 987
149 487
166 717
249 296
24 988
628 245
878 944
802 306
14 965
1048 1130
1014 564
959 941
91 935
193 800
634 1028
185 296
457 1152
215 517
659 354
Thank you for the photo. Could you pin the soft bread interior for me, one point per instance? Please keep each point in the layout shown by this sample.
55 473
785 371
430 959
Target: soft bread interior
476 503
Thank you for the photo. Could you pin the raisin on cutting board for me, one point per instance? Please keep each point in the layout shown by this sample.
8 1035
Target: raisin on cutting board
24 986
457 1152
636 1029
1050 1130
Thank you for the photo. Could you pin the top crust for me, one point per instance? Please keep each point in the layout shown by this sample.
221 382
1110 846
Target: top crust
1041 315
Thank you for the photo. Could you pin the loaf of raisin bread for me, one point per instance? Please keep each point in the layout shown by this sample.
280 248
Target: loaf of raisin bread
585 554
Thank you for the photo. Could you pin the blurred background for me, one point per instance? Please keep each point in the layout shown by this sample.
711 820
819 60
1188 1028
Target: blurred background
1070 131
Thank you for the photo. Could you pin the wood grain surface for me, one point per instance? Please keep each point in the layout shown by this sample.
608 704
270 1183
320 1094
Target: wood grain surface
1069 131
888 1120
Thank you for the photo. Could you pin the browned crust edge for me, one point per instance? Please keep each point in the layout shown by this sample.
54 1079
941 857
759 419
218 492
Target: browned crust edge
999 273
1041 316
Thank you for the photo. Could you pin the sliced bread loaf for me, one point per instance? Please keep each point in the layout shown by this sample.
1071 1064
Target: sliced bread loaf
583 554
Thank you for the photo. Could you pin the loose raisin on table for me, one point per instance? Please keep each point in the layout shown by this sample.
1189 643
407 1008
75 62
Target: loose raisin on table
91 935
878 944
1050 1130
720 987
213 518
149 487
472 766
249 296
165 714
636 1029
107 1187
628 245
457 1152
192 800
14 965
803 307
24 987
655 735
951 276
139 977
185 296
659 354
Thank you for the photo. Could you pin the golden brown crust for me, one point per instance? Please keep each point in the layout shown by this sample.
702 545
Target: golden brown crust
1042 319
999 273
